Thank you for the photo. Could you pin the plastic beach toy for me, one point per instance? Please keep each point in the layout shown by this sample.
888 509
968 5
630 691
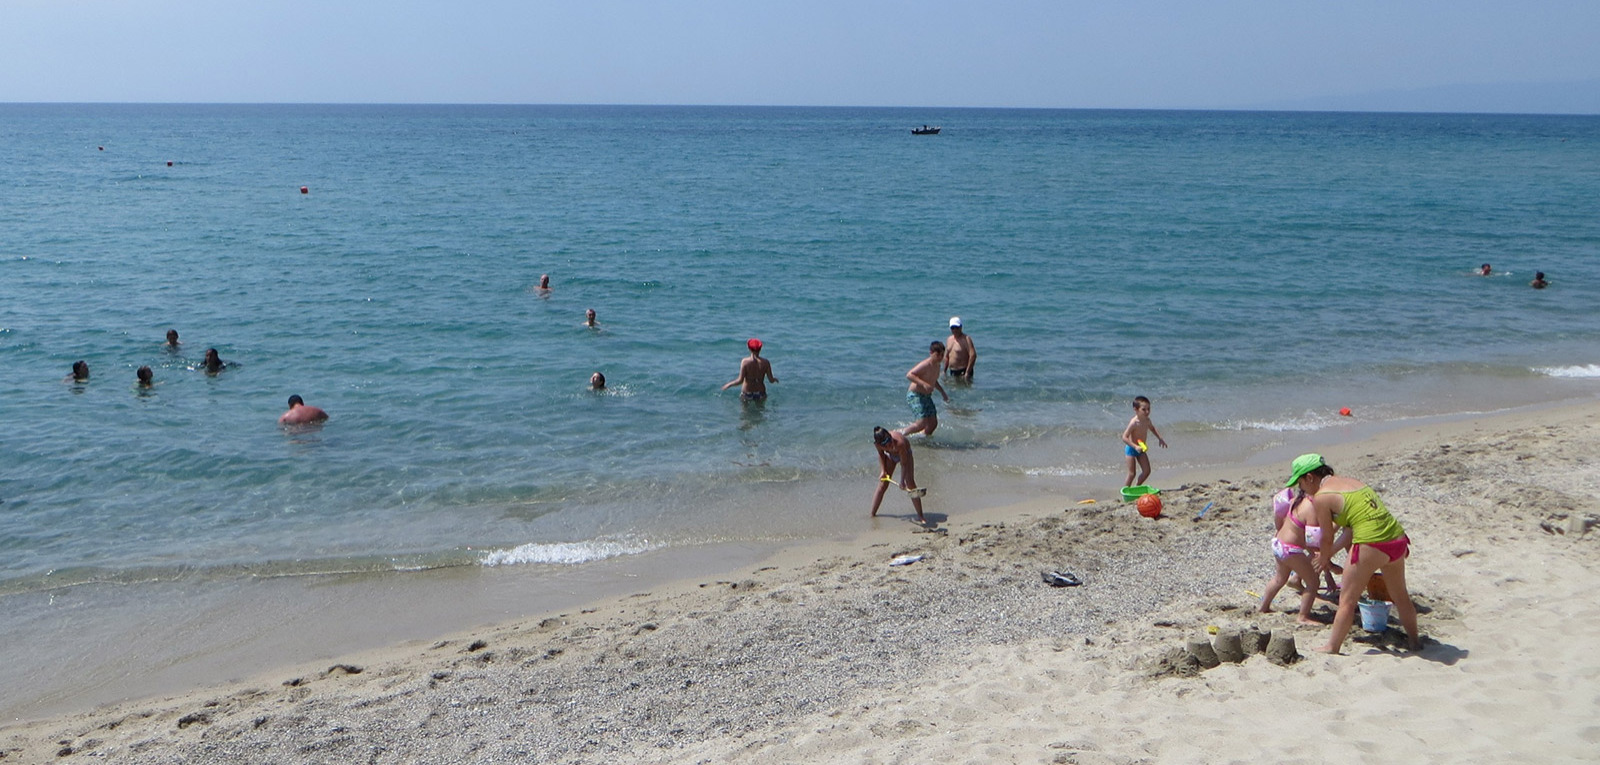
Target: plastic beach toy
1143 448
1132 493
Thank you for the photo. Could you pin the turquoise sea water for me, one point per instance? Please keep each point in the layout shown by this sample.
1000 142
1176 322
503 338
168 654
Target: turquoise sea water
1250 272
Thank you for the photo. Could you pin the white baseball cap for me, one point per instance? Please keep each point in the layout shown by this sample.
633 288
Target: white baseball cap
955 321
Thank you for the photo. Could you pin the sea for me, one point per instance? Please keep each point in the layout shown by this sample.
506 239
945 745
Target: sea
1252 273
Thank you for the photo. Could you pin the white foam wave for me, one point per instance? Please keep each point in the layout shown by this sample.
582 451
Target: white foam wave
1585 370
1277 426
564 553
1060 471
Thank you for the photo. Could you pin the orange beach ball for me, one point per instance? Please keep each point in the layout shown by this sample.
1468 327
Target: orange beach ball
1149 506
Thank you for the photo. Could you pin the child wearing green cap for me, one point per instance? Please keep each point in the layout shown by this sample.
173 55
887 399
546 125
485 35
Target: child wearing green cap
1378 543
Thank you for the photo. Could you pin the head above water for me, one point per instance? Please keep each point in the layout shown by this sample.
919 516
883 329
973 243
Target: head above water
1308 464
597 381
295 401
753 344
145 375
936 348
172 337
80 370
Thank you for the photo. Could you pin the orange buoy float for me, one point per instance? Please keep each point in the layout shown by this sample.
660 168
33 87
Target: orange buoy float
1149 505
1345 412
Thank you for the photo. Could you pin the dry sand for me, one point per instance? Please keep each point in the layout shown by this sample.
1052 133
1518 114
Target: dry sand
828 654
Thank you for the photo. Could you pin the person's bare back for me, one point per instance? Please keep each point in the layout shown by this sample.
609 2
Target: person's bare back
754 372
300 413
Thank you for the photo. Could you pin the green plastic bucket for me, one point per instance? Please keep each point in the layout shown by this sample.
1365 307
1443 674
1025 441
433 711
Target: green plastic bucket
1133 493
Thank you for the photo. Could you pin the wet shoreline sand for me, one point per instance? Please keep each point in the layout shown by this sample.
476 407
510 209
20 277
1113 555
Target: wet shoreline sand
824 652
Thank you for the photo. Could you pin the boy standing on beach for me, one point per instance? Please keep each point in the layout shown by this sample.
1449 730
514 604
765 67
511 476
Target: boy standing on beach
1139 429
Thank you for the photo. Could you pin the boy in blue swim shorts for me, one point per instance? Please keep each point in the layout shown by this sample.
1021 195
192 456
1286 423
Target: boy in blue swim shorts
1134 449
924 379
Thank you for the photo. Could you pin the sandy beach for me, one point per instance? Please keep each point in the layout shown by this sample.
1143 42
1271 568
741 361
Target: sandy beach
827 653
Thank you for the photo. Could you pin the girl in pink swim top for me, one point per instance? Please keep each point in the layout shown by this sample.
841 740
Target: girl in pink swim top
1289 550
1286 504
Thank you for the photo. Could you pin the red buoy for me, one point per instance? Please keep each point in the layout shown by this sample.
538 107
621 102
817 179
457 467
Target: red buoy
305 190
1345 412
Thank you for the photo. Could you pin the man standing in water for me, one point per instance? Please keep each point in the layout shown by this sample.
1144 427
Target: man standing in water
960 355
754 372
924 379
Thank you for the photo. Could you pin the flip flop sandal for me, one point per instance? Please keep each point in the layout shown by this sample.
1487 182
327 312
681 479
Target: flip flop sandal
1062 579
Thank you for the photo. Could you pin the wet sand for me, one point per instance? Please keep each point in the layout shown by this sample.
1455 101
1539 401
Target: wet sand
825 652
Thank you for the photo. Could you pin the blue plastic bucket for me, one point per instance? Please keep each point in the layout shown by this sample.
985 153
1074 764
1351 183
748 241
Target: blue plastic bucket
1374 615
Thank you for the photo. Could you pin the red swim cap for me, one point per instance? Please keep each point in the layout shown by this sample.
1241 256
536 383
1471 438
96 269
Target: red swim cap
754 344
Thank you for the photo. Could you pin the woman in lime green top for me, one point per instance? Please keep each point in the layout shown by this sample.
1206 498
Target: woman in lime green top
1378 543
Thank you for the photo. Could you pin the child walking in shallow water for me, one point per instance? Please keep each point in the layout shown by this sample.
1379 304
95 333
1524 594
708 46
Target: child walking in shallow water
1139 429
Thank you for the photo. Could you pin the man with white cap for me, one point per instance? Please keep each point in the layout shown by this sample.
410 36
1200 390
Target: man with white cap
960 355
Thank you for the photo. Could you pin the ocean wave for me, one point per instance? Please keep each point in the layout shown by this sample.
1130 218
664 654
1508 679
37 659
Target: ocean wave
1058 472
565 553
1308 423
1584 370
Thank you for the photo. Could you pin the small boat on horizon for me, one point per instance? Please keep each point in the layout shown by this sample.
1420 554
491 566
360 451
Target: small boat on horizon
925 130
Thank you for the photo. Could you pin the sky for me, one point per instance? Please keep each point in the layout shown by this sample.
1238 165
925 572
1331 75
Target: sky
1180 54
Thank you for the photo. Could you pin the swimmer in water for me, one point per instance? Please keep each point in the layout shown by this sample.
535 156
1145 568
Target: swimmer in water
214 363
172 338
588 319
80 372
146 377
754 372
1485 270
597 381
300 413
1538 282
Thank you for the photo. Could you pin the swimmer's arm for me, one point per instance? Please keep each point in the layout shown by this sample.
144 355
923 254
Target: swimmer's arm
734 381
770 376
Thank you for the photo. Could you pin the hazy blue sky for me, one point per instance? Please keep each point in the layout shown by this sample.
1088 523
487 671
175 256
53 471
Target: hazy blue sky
1033 53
